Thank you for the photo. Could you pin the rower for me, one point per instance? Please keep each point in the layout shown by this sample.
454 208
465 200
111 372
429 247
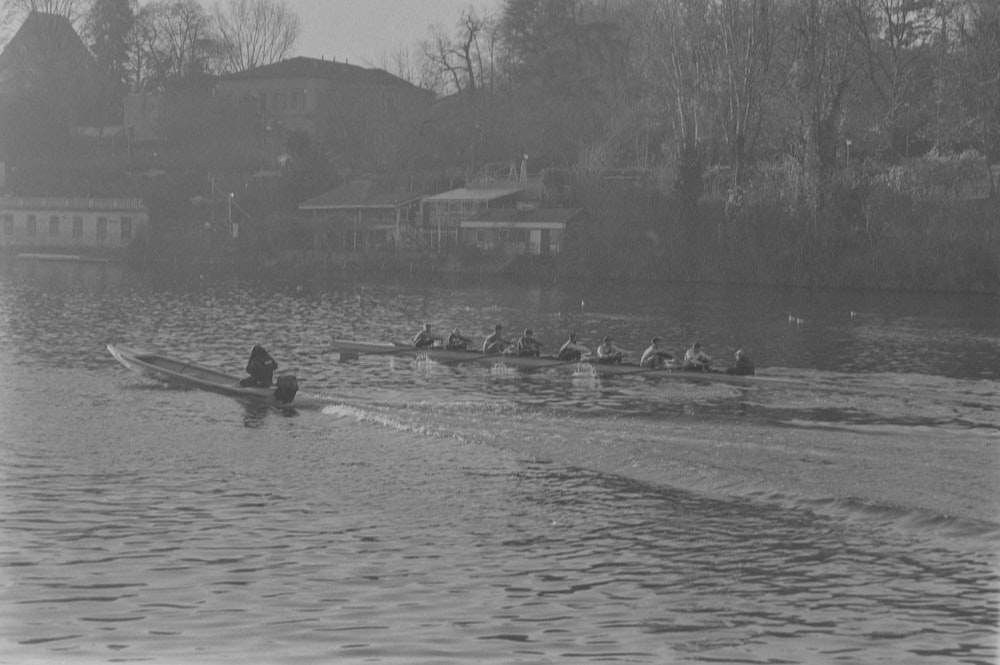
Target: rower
494 343
424 338
696 360
527 345
456 342
743 366
571 351
608 353
260 367
654 357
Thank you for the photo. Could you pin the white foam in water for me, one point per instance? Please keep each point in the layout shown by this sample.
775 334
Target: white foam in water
364 415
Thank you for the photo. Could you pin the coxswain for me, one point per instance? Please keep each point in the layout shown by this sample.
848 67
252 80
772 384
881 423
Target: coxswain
696 360
571 350
743 366
494 343
654 357
608 353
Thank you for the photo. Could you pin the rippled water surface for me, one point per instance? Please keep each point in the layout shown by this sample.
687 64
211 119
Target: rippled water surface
843 512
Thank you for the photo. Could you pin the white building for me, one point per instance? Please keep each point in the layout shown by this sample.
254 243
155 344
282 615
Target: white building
71 224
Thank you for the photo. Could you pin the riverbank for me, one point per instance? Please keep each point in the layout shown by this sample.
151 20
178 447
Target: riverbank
872 244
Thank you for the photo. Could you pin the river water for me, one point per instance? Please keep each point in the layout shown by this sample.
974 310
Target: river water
843 511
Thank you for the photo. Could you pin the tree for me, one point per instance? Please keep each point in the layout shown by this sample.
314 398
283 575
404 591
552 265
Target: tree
173 46
671 41
107 26
973 66
564 62
824 64
253 33
534 32
897 39
464 66
745 34
456 65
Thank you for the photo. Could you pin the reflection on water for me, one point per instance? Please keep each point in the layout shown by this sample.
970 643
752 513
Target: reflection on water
839 331
842 512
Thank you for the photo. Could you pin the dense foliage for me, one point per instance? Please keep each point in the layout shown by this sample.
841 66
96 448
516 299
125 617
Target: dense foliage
798 141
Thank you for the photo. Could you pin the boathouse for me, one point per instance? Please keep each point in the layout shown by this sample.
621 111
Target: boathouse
442 215
365 215
519 231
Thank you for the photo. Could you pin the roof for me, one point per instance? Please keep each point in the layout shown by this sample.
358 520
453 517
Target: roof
470 194
363 193
551 217
45 40
301 67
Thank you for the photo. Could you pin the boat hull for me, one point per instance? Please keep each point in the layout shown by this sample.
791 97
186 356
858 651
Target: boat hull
528 363
187 374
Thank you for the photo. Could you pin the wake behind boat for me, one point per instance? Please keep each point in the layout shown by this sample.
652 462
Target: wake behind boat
188 374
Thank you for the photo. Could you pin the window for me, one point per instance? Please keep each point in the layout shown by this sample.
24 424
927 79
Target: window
77 226
298 100
32 227
8 225
280 102
126 229
102 229
53 226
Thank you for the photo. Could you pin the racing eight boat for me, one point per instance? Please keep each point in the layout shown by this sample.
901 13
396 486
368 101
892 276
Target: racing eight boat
351 350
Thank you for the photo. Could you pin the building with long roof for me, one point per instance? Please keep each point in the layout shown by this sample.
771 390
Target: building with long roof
360 113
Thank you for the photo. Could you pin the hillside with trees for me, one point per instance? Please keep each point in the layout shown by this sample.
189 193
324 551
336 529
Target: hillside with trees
822 142
810 142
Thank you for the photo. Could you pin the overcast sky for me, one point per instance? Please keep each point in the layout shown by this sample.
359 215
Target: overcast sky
368 32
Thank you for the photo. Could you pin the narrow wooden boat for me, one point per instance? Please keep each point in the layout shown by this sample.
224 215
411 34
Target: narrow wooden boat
185 373
351 350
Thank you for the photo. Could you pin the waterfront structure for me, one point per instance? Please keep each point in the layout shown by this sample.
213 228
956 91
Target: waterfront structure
442 214
365 215
519 231
68 224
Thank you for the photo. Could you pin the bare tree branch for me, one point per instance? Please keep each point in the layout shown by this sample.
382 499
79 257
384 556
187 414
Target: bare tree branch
254 33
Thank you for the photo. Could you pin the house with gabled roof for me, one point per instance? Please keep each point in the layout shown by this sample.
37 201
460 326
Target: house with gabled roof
47 62
362 114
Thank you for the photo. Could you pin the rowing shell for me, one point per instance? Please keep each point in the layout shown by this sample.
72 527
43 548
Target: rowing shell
351 350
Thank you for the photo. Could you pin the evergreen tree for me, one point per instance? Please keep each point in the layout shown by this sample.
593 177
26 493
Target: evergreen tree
108 25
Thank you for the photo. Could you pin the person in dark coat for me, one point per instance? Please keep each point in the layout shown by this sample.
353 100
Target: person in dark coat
260 367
